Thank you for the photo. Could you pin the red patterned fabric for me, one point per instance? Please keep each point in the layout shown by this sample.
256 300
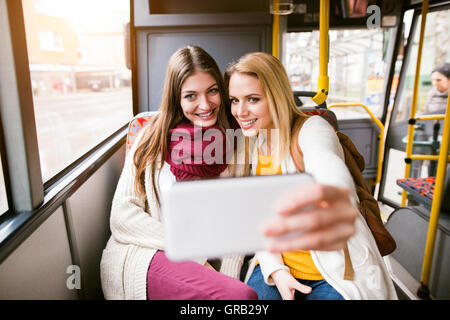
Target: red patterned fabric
135 125
423 186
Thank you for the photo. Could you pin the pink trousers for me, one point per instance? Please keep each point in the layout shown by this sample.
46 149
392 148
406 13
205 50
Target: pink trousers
168 280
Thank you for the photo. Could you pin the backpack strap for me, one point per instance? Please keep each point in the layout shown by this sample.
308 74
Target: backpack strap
349 273
297 157
296 152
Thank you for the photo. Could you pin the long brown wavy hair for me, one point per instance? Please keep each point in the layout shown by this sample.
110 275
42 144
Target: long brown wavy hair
151 151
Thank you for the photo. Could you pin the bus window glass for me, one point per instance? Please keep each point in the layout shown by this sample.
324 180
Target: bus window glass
3 198
434 52
81 85
356 67
407 20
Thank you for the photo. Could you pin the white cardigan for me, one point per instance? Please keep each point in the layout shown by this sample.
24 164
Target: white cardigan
136 235
324 160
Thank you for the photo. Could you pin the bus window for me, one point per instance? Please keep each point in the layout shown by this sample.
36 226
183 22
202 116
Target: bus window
3 198
407 21
81 85
356 67
435 51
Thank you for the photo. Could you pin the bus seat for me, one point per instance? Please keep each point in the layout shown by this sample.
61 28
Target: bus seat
422 190
137 123
409 227
327 114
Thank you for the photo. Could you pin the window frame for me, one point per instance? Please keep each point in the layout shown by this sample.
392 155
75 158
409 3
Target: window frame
4 162
398 94
400 88
17 109
28 210
391 56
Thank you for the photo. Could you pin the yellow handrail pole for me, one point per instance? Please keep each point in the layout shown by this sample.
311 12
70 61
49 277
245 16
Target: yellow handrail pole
324 26
431 117
375 119
426 157
409 144
275 30
380 136
436 206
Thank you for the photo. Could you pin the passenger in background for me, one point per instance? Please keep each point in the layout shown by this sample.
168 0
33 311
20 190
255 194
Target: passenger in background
335 255
438 95
134 265
436 103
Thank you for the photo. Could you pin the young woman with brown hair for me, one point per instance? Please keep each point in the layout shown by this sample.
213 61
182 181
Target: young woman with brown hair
133 264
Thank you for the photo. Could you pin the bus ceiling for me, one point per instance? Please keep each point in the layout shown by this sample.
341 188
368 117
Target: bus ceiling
350 14
346 14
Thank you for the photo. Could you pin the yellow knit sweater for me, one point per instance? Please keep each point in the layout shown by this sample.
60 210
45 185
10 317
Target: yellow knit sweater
299 262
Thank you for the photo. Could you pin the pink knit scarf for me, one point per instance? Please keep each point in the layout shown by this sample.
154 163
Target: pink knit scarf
188 153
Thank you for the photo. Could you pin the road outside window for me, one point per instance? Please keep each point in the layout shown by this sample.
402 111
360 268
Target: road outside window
81 85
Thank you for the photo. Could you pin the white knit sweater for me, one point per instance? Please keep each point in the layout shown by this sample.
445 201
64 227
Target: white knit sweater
137 234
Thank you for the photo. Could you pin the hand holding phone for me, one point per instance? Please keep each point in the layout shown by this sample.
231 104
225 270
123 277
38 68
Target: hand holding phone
216 217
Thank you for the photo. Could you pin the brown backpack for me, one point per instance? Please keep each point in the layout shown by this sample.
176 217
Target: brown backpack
368 206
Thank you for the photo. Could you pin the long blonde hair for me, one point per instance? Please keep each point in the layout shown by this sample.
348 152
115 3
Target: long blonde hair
277 89
152 148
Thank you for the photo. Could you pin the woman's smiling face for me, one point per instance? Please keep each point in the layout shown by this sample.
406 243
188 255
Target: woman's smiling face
249 105
200 99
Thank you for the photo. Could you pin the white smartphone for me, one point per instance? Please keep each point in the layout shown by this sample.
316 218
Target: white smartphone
216 217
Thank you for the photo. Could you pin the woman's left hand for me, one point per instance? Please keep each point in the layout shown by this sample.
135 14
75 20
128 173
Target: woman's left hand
323 216
287 284
208 265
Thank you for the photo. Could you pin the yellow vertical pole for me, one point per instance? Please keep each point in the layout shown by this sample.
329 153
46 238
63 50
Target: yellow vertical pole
275 30
324 26
409 145
423 291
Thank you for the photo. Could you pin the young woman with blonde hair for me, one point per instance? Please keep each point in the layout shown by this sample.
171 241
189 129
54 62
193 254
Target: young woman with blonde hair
310 265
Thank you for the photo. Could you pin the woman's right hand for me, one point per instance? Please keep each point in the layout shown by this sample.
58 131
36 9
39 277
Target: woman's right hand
287 284
325 226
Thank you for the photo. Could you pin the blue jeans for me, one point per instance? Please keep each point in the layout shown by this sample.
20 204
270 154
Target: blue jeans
321 290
